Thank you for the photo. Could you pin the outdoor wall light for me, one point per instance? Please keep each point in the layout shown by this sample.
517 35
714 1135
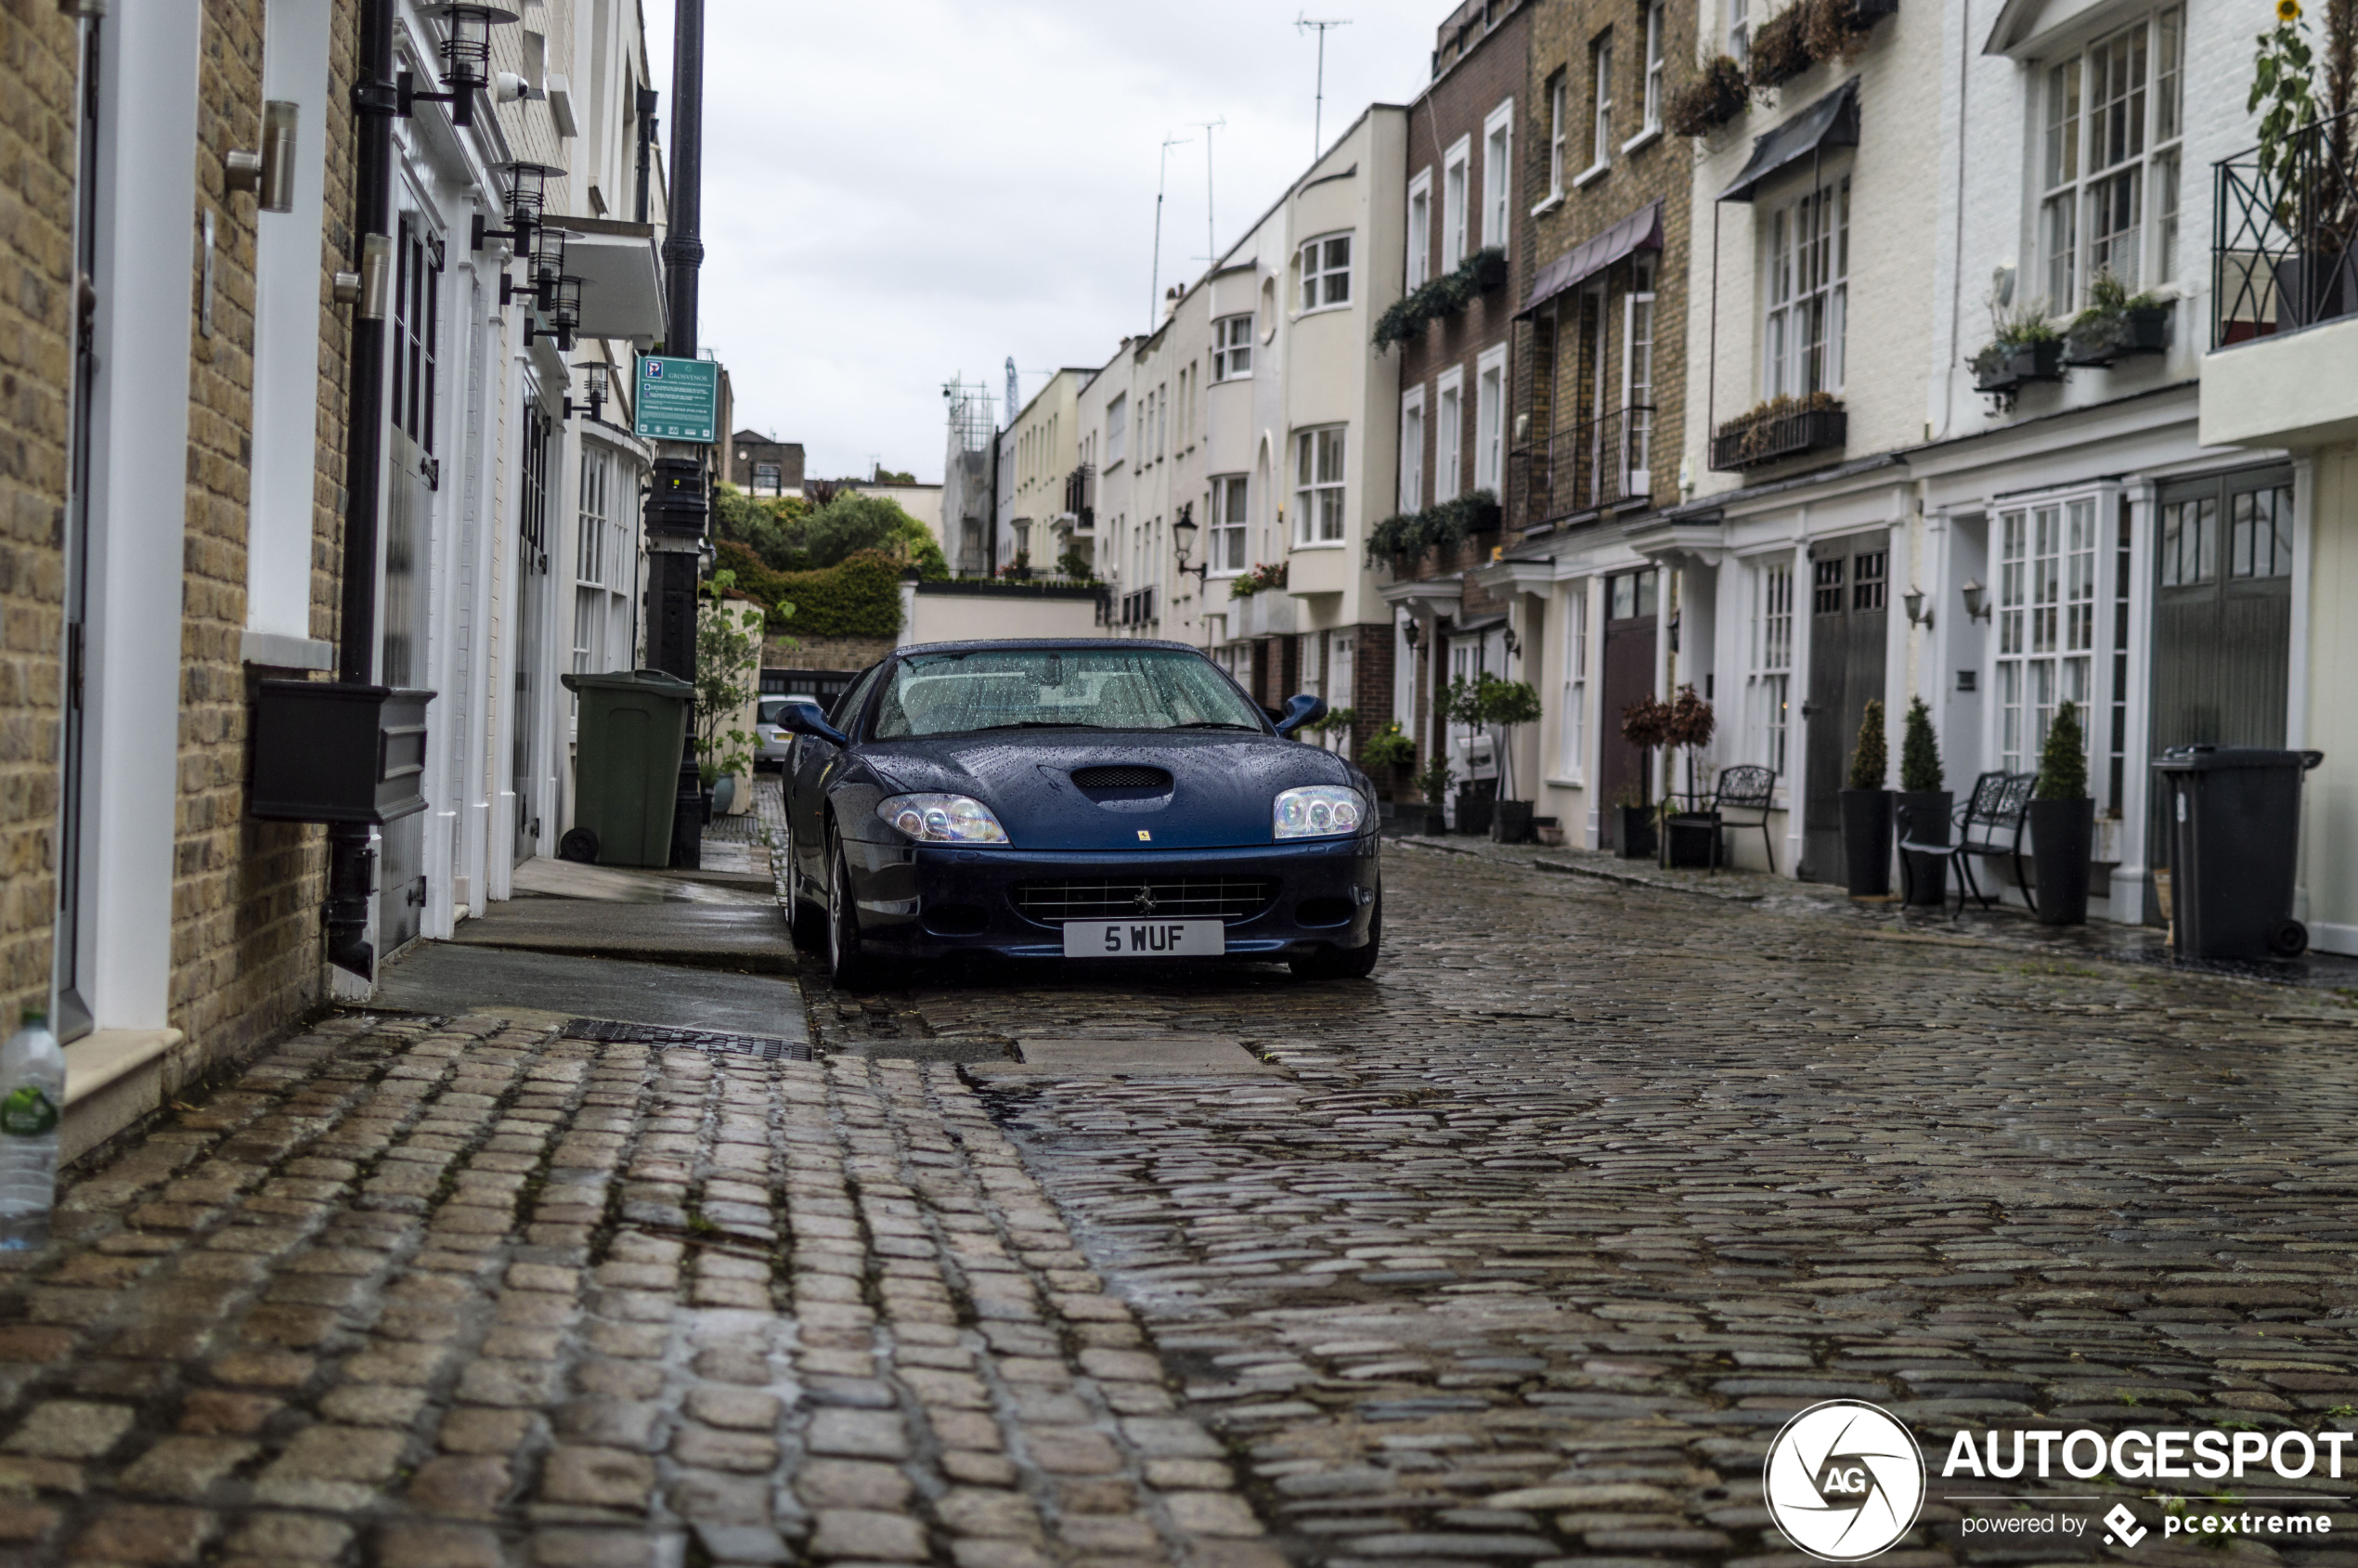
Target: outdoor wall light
1182 538
269 174
527 198
1917 614
1410 632
563 307
547 266
466 54
1976 600
1513 643
595 407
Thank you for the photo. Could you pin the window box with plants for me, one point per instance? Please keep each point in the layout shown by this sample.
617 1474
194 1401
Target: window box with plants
2024 346
1717 94
1780 428
1402 541
1780 48
1446 295
1261 578
2116 324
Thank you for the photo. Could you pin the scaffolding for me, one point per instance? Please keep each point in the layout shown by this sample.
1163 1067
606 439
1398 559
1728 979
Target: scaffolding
967 483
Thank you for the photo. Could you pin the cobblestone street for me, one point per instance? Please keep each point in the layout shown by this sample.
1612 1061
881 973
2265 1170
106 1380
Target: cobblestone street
1519 1253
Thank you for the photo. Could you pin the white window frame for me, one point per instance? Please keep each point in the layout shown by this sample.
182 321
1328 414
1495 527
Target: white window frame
1657 26
1317 278
1456 193
1572 742
1497 173
1640 333
1806 297
592 549
1117 427
1448 434
1490 420
1229 508
1420 229
1601 86
1412 450
1770 697
1740 31
1559 92
2047 555
1320 497
1232 348
2142 153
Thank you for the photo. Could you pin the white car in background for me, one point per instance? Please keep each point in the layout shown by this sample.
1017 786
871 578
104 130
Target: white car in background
774 745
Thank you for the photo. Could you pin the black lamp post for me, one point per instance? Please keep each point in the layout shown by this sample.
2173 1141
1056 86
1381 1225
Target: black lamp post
466 54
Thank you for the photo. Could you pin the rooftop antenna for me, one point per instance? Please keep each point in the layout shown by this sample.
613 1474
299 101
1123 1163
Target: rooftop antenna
1211 245
1154 306
1012 384
1303 23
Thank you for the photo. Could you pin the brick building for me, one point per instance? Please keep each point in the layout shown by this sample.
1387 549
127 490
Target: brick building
1465 209
762 466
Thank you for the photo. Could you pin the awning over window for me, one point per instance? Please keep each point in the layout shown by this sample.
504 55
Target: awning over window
1641 230
1833 121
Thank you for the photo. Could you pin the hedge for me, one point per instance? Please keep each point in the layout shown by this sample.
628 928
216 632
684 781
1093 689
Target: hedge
860 597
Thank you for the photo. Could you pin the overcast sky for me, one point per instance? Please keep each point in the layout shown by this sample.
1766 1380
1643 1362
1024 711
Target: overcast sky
896 195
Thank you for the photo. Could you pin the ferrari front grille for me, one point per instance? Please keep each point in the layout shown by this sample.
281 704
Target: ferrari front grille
1165 897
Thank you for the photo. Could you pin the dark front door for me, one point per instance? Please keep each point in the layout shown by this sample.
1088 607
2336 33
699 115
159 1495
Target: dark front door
1848 581
532 593
412 474
2223 617
1625 772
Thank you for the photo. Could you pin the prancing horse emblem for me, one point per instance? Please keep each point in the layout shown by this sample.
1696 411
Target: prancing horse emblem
1144 901
1145 837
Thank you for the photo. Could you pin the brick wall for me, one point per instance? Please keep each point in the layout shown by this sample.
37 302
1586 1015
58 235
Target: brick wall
37 72
246 957
825 652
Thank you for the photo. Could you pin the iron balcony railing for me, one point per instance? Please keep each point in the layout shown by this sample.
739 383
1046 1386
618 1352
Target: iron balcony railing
1583 467
2286 254
1753 440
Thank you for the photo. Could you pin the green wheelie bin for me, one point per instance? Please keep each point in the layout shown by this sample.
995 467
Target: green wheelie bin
626 766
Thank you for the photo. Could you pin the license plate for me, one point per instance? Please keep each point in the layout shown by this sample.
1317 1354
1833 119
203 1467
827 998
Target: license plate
1144 938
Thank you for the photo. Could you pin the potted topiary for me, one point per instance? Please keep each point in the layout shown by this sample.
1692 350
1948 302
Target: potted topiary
1924 807
2062 823
1434 783
1503 704
1476 797
1866 812
1388 754
1646 725
1689 838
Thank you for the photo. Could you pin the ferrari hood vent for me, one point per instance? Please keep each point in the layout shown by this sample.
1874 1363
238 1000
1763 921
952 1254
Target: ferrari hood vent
1121 775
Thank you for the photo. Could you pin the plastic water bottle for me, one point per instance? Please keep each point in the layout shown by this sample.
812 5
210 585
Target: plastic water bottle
33 1094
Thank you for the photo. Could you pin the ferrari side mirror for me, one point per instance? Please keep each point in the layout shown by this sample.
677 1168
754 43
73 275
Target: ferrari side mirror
804 719
1300 711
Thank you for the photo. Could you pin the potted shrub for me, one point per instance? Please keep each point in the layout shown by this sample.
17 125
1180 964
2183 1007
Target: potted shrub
2116 324
2024 346
2062 823
1924 807
1434 784
1780 47
2302 159
1388 754
1717 94
1502 705
1646 725
1689 838
1866 812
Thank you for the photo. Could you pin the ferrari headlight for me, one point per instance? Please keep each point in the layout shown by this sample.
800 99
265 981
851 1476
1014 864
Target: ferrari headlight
1319 812
942 819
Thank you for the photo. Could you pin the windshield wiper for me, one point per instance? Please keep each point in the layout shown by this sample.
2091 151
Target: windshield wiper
1216 724
1038 725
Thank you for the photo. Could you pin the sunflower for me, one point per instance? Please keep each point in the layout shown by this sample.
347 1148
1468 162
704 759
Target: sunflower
2287 10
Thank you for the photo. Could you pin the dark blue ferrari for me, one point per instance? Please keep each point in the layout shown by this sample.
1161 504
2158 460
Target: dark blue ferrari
1087 800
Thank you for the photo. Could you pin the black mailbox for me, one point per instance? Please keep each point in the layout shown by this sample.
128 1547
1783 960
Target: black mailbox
328 751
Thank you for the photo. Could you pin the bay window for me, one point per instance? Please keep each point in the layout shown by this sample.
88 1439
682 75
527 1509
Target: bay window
1318 495
1228 494
1325 266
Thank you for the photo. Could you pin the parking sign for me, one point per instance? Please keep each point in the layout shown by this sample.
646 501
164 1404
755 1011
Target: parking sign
679 399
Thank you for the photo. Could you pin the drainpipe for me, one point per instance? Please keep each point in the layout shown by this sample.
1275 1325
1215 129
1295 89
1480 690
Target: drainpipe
351 859
647 146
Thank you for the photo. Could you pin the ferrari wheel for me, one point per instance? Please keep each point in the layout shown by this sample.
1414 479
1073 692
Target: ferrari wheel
848 966
1346 962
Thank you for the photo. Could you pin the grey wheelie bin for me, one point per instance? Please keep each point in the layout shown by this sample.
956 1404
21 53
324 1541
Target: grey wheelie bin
2235 842
627 751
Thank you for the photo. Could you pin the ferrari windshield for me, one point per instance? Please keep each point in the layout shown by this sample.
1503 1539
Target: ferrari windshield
1107 688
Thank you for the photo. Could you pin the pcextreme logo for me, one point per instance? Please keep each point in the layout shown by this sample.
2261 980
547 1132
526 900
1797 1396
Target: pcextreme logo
1845 1481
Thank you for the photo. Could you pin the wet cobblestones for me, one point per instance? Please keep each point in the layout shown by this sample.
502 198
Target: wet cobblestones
1523 1253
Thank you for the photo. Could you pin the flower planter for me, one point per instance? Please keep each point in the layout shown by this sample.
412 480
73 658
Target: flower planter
1436 821
1924 817
1510 822
1475 804
1548 830
1995 374
1690 840
2143 330
1637 833
2062 832
2040 361
1866 841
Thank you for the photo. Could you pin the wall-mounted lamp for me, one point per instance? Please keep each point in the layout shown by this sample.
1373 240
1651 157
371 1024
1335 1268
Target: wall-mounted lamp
563 307
544 264
528 198
596 407
1514 643
1976 600
1917 613
466 56
1183 539
1410 632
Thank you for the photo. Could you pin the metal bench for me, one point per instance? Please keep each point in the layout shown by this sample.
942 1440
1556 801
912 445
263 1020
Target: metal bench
1746 788
1992 821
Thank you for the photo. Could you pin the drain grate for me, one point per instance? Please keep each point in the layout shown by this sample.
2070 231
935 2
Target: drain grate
768 1047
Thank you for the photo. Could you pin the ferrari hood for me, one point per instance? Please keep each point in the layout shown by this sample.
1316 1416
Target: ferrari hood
1222 785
